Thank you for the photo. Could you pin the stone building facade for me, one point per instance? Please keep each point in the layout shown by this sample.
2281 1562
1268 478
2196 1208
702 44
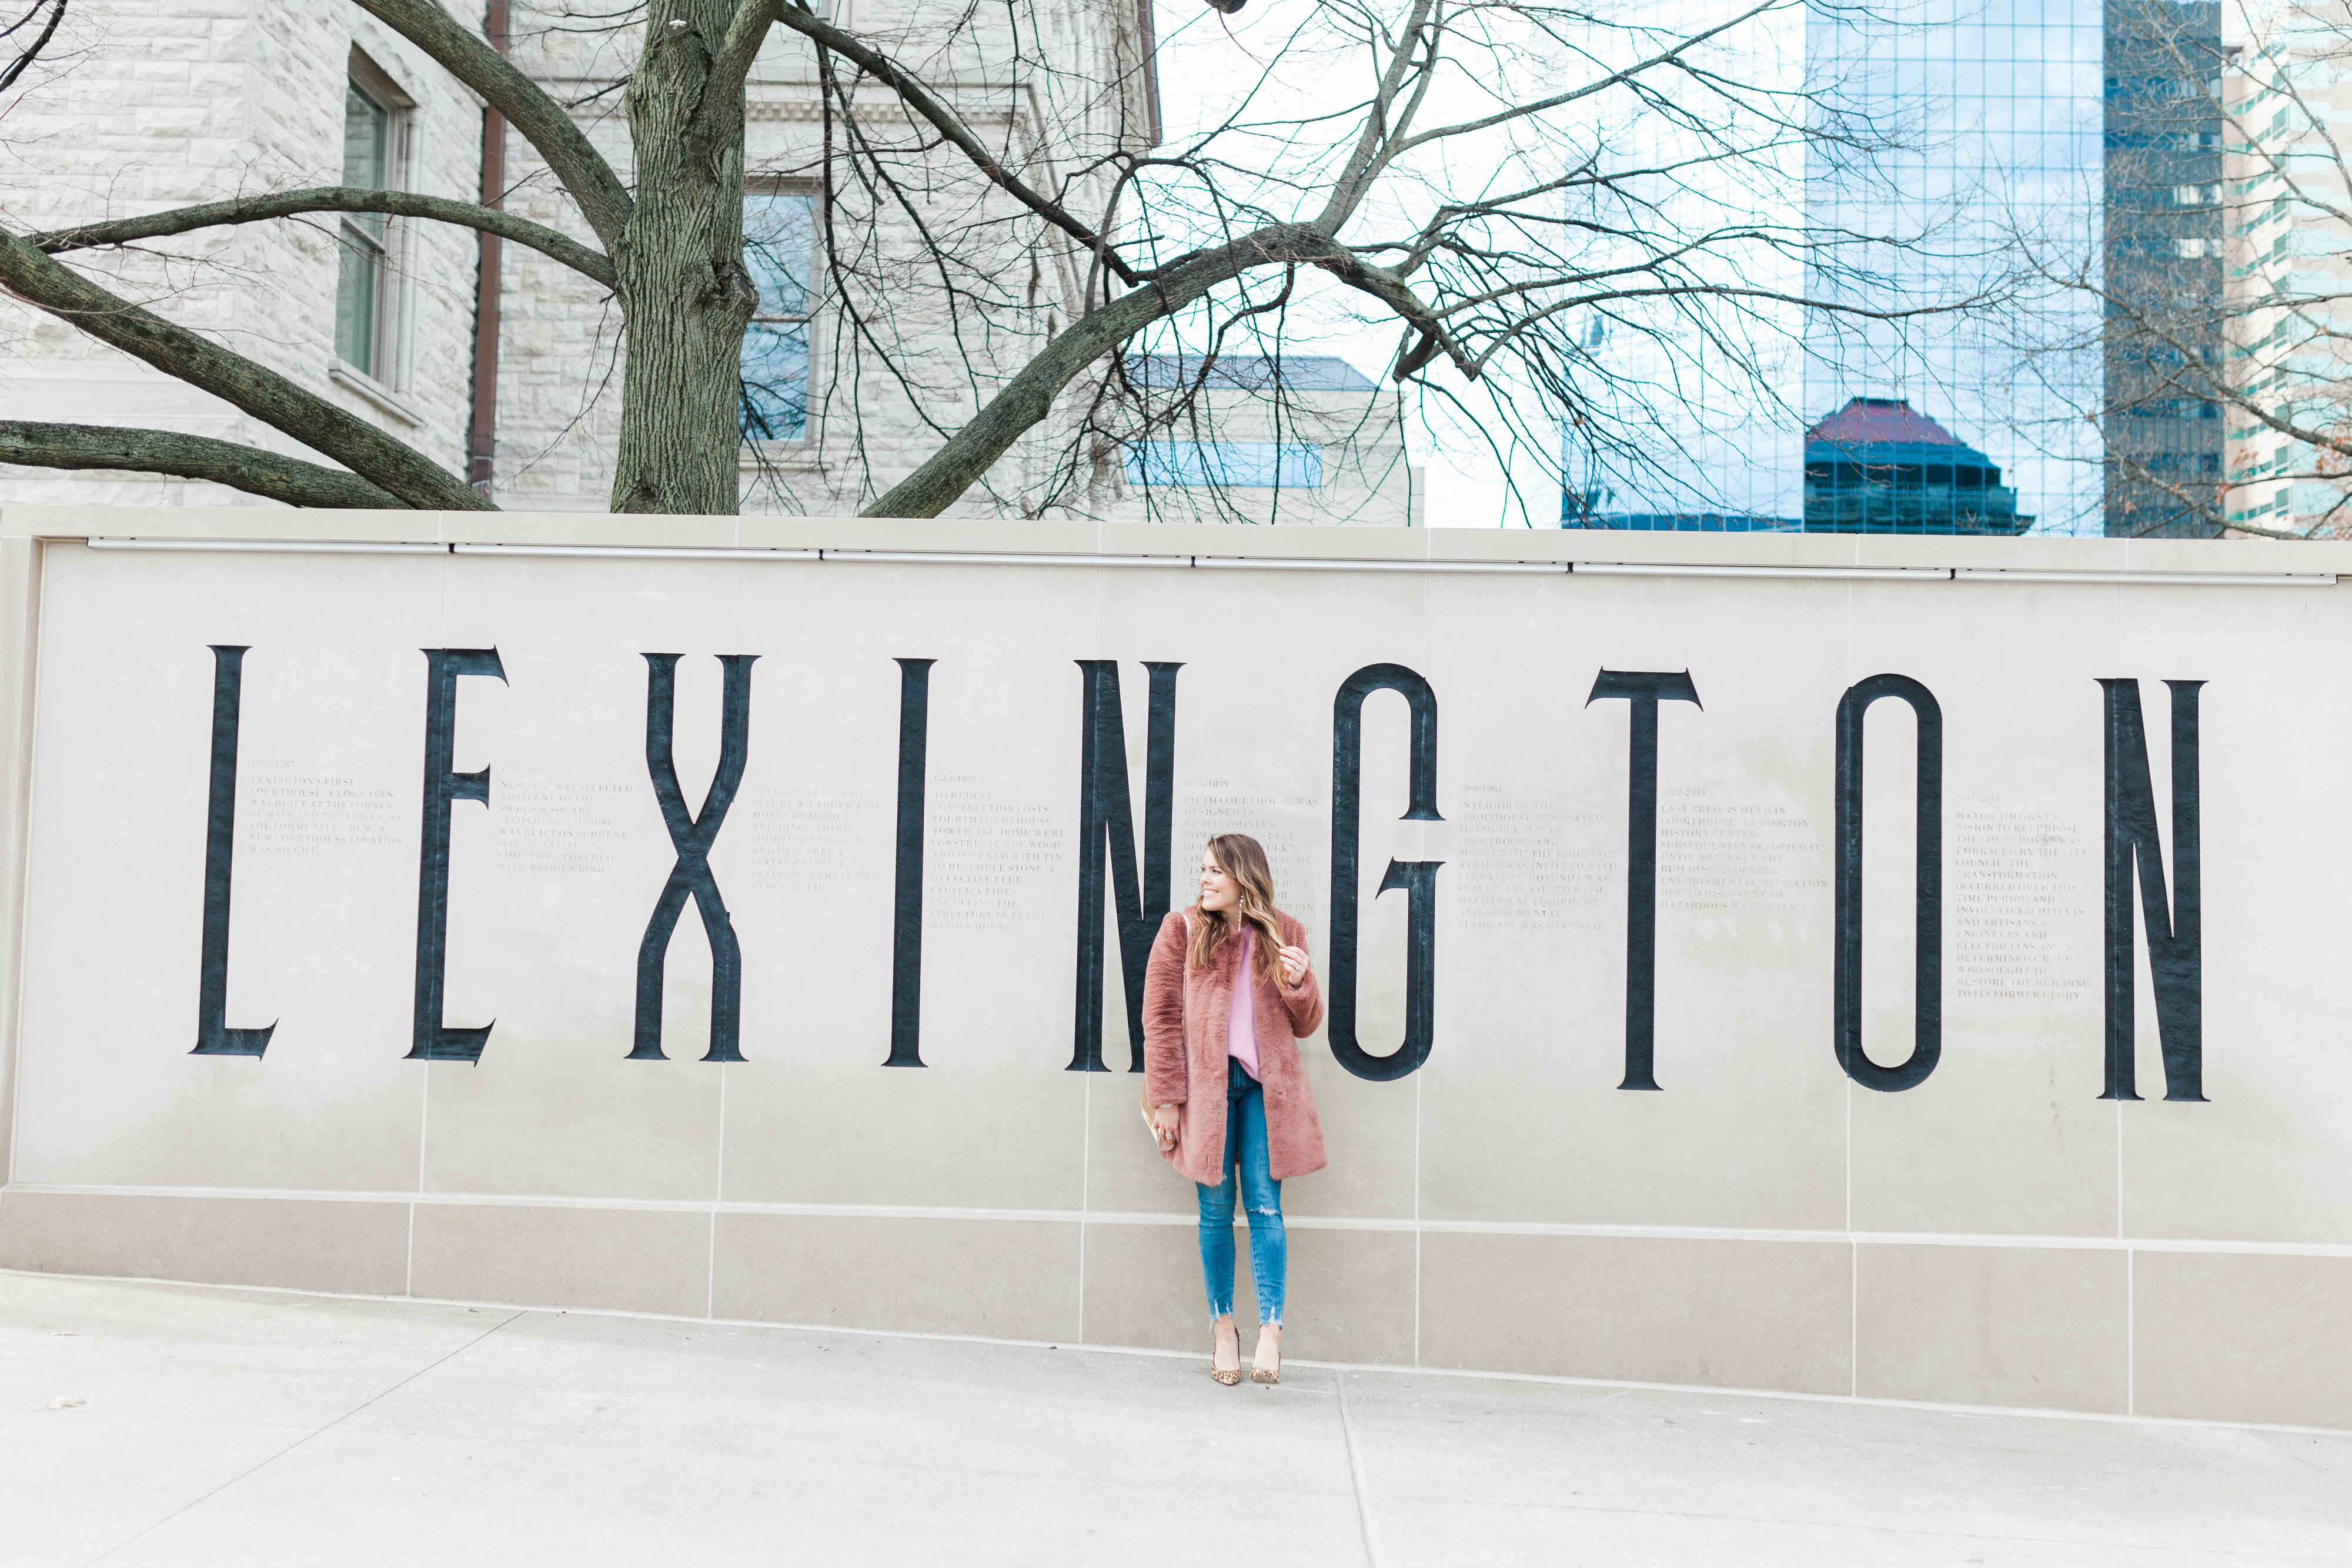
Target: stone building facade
142 105
866 361
145 106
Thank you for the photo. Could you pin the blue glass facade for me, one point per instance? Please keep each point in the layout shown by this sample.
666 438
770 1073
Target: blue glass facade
2163 202
1689 523
1995 108
1995 126
1876 467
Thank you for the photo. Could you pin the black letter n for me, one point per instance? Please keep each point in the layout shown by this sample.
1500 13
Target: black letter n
2175 961
1107 820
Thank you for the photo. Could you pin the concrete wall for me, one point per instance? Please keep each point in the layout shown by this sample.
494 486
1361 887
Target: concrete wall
1996 1234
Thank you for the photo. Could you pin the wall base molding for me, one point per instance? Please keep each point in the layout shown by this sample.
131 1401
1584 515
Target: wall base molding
2158 1331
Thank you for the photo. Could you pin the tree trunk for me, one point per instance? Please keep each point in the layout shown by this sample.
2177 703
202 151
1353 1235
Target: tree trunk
686 296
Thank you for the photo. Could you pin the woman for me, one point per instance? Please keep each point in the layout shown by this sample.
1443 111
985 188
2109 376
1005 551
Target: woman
1227 994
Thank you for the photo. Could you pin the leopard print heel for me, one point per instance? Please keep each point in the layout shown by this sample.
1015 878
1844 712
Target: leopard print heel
1226 1375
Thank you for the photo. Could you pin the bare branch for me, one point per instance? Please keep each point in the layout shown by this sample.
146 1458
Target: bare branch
24 62
1364 164
1393 292
603 200
921 99
262 393
245 468
332 199
1028 397
1630 73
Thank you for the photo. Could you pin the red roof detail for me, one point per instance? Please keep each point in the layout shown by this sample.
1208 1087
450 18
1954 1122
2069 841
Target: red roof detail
1867 420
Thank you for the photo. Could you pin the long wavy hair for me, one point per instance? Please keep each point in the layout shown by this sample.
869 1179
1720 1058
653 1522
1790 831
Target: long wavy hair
1243 858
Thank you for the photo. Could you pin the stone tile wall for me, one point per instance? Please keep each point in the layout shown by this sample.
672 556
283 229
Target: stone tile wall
1997 1235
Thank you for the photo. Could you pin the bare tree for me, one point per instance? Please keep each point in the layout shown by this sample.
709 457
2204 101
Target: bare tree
1485 178
2223 287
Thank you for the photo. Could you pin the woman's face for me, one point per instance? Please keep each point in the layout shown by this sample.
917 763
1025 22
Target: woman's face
1218 892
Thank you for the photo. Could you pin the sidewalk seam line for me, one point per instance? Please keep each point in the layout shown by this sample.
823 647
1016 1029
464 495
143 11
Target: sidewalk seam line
263 1464
1356 1475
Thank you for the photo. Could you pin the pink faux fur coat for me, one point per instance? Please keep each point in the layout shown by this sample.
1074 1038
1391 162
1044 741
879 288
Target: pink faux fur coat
1185 1011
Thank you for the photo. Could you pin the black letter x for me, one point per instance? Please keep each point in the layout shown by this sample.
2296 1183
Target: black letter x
693 837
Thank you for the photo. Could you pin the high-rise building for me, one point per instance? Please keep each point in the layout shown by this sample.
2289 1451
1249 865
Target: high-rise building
2161 184
2286 307
1980 192
1876 467
2051 169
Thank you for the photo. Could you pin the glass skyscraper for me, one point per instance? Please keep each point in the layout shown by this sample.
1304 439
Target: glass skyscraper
1989 119
2163 202
2045 162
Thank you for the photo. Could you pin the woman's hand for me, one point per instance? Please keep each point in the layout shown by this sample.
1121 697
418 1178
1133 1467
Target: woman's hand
1293 963
1167 1121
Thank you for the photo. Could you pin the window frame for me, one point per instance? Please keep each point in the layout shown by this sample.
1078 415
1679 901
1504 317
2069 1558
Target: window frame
754 189
385 248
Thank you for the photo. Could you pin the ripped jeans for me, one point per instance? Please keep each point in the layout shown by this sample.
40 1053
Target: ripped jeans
1245 1158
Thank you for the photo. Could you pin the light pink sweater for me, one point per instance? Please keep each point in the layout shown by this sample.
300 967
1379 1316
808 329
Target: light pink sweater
1241 1023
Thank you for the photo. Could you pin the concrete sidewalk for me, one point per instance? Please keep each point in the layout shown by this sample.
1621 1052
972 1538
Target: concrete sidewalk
145 1425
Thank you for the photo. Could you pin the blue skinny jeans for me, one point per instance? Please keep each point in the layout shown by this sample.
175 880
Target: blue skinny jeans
1245 1166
